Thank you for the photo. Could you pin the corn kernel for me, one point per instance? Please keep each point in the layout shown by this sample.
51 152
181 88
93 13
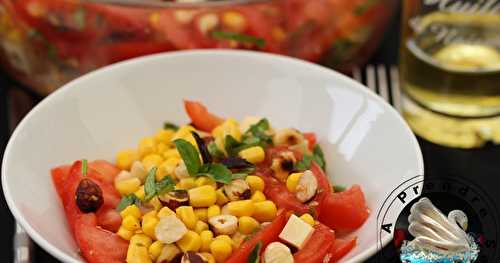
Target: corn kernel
146 146
213 210
208 257
234 20
155 249
141 240
167 167
256 183
124 233
228 127
161 148
221 197
258 196
186 183
184 132
247 225
308 219
155 202
253 154
225 238
149 226
207 22
238 239
202 214
168 253
202 196
150 214
206 239
165 211
241 208
203 180
292 181
132 210
124 159
187 216
200 226
151 160
140 193
164 136
265 211
221 250
138 249
191 241
171 153
131 223
128 186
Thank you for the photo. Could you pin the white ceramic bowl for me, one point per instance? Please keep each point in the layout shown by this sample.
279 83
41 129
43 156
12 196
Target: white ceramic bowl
365 141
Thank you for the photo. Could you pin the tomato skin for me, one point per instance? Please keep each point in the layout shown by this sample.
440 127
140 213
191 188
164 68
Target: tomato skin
311 139
267 235
201 118
340 248
317 247
324 186
346 210
279 194
59 176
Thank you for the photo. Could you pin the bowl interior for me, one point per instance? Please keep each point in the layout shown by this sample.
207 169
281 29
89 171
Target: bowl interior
365 141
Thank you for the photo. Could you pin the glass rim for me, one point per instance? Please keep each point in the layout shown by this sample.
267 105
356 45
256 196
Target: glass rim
156 3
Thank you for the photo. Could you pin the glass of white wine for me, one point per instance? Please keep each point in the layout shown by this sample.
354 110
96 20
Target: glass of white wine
450 70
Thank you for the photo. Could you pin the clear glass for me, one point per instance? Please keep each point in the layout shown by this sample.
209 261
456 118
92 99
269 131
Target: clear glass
450 70
46 43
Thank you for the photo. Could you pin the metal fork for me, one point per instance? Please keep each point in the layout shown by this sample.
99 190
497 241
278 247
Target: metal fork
383 80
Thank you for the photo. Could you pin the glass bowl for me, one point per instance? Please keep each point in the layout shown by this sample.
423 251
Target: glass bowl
46 43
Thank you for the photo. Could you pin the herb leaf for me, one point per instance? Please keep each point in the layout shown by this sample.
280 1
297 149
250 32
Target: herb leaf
214 151
170 126
231 145
304 164
128 200
236 163
254 256
239 37
189 155
338 188
319 157
150 184
165 185
84 167
217 172
236 176
205 154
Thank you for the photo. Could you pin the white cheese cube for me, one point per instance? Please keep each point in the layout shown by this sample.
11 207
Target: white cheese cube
296 232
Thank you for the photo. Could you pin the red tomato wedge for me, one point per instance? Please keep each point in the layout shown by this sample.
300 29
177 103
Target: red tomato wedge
59 176
279 194
340 248
311 139
324 186
105 169
267 235
201 118
345 210
317 247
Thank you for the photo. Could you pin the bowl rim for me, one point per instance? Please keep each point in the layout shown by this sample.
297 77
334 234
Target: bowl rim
59 254
161 4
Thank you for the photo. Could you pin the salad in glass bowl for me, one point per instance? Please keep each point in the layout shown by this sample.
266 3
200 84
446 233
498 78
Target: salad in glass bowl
214 190
45 43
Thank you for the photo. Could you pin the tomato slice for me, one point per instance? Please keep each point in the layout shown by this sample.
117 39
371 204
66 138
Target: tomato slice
267 235
59 176
346 210
201 118
317 247
324 186
105 170
340 248
279 194
311 139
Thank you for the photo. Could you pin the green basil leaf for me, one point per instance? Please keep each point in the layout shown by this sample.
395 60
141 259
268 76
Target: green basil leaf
189 155
236 176
304 164
214 151
259 130
254 256
84 167
239 37
127 201
218 173
338 188
166 184
170 126
150 184
231 145
319 157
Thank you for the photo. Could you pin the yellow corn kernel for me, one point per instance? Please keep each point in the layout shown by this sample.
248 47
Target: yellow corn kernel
265 211
202 214
138 254
253 154
213 210
155 202
241 208
221 197
161 148
292 181
131 223
132 210
167 168
141 240
202 196
208 257
200 227
203 180
221 250
184 132
150 214
225 238
234 20
186 183
256 183
187 216
140 193
155 249
191 241
165 211
171 153
151 160
164 136
146 146
124 233
128 186
125 159
247 225
308 219
206 239
149 225
238 239
258 196
168 253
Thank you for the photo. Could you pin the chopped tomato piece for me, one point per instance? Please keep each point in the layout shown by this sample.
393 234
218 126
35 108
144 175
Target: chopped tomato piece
267 235
108 170
279 194
324 187
346 210
340 248
311 139
200 116
317 247
59 176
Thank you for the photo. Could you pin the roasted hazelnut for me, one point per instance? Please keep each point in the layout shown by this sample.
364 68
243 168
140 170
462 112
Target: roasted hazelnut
193 257
174 199
237 190
88 196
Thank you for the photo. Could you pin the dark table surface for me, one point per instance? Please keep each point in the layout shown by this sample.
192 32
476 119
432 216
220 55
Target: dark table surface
479 168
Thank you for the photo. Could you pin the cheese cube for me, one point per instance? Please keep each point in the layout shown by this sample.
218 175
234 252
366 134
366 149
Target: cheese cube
296 232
